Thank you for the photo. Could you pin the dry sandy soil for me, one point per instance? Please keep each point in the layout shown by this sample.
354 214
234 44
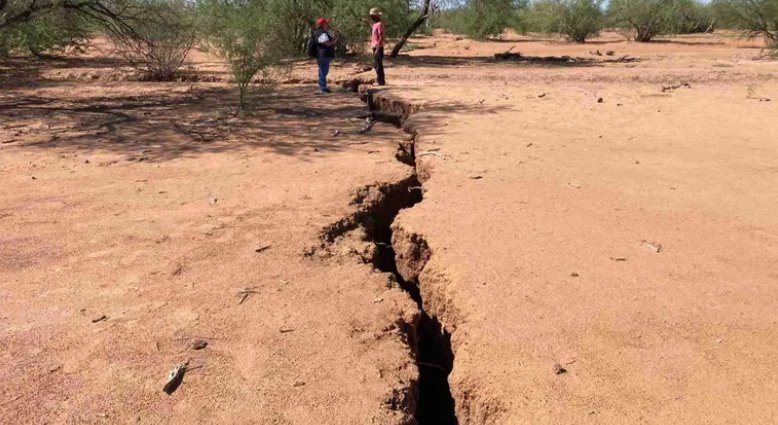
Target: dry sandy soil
588 239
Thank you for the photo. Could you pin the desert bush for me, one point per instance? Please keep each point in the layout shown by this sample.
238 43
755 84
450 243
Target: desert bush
694 18
723 14
757 18
480 19
247 35
350 19
159 43
575 19
55 30
647 18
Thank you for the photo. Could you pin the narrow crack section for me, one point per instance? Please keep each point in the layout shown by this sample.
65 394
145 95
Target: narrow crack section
434 357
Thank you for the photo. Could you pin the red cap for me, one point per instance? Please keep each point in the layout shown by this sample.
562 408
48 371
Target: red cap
321 21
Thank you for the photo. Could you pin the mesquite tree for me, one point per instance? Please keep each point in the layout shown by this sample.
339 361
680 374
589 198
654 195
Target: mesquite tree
647 18
758 18
247 35
37 25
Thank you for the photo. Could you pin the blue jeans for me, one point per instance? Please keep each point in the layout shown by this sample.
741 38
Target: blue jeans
324 69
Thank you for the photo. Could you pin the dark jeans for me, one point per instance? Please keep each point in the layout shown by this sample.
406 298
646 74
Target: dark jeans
378 53
324 69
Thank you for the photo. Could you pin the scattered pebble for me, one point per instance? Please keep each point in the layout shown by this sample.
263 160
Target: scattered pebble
100 319
199 344
600 100
558 369
299 383
175 378
574 274
263 248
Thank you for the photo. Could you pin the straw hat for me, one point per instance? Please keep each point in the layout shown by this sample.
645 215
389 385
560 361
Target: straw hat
375 12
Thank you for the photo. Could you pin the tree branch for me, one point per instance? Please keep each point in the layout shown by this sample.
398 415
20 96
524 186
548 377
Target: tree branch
426 13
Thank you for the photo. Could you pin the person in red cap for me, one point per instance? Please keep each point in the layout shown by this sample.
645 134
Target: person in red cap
325 43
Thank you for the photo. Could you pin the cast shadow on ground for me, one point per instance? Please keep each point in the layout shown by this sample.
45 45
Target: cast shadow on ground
480 61
179 121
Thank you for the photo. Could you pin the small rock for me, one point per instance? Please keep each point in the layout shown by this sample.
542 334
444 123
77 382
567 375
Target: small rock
542 95
262 248
558 369
199 344
600 100
213 201
574 274
299 383
100 319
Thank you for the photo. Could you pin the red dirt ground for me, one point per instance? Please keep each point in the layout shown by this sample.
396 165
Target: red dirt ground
631 241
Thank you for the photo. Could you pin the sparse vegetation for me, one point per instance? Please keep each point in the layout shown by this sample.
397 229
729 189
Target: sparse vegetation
481 19
757 18
645 18
159 44
575 19
694 18
246 35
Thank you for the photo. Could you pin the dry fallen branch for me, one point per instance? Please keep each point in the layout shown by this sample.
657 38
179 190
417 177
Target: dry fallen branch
244 293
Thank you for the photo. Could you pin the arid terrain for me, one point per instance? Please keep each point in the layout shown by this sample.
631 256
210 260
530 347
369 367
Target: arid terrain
562 234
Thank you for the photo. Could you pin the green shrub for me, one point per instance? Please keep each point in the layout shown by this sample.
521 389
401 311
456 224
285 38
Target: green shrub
756 18
694 18
575 19
481 19
723 14
647 18
160 41
55 30
350 19
247 34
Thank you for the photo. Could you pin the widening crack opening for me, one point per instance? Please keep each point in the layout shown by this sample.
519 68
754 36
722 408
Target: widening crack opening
434 357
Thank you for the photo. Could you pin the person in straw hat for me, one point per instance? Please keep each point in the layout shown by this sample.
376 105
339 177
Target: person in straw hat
377 43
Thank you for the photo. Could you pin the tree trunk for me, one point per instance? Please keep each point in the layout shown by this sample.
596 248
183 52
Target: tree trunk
426 11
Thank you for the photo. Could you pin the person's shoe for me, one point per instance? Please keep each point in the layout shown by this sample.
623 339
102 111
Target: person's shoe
325 91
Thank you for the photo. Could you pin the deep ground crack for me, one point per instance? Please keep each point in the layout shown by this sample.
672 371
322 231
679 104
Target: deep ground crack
434 357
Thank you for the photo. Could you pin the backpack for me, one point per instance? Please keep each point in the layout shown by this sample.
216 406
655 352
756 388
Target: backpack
313 46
